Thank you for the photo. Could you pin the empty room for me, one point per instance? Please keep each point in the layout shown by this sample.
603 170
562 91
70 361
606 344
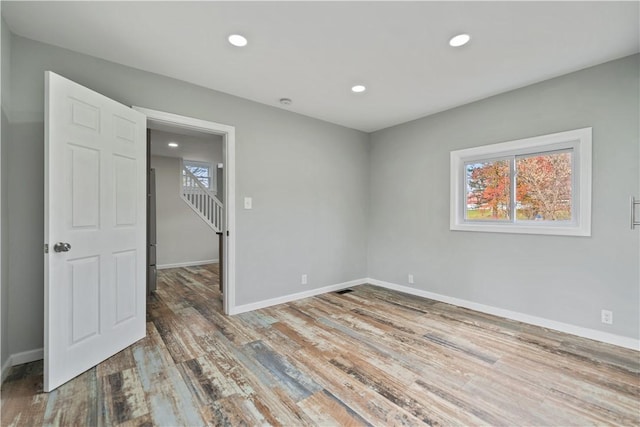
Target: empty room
320 213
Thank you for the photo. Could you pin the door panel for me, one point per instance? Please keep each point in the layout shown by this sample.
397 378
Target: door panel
95 200
126 203
125 293
85 298
85 186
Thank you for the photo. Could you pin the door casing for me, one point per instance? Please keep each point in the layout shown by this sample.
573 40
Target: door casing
228 151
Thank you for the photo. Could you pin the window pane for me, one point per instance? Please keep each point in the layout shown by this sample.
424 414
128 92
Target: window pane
198 170
488 187
201 172
543 187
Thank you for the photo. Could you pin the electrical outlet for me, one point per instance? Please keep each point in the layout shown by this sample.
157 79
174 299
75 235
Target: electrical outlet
410 278
606 316
303 280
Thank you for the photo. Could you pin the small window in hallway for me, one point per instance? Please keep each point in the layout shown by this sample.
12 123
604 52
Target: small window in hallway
202 171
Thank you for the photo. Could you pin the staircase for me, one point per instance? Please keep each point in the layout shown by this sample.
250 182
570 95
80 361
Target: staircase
201 200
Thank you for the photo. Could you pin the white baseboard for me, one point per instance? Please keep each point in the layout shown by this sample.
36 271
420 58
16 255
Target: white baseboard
293 297
187 264
5 369
27 356
580 331
20 358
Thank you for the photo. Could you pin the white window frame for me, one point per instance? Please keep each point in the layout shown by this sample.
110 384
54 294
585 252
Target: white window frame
578 141
212 172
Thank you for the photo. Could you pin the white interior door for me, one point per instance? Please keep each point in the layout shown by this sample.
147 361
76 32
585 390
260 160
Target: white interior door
95 228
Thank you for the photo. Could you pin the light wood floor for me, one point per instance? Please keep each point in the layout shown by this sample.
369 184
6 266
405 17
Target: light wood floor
368 357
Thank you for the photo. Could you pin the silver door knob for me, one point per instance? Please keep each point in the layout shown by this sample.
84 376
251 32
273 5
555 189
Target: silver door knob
61 247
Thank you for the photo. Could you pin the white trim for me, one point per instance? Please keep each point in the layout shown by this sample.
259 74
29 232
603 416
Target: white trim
21 358
187 264
229 191
579 140
27 356
5 369
229 197
606 337
297 296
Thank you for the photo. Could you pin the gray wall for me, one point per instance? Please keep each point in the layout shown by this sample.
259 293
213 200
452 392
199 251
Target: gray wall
325 199
4 288
182 236
4 232
566 279
308 180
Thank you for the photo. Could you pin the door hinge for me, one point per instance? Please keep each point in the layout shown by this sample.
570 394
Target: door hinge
46 248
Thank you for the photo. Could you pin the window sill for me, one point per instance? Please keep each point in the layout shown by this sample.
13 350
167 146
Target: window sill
557 230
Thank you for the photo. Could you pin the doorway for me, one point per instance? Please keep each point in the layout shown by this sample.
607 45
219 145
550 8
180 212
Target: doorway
176 123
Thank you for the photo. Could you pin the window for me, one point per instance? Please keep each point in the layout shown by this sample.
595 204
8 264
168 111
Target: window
539 185
202 171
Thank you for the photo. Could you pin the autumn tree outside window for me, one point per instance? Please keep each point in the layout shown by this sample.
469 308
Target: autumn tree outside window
539 185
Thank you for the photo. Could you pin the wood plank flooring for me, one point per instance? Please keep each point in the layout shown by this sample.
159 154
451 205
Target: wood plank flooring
366 357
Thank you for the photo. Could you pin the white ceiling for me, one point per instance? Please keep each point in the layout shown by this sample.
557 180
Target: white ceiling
313 52
191 146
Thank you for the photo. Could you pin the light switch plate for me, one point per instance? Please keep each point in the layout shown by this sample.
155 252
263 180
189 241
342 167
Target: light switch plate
248 203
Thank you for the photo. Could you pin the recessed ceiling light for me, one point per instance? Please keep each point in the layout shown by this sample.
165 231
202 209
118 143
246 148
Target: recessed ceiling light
358 89
459 40
173 144
285 101
237 40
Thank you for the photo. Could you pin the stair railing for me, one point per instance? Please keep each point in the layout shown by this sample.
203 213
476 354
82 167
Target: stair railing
201 200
